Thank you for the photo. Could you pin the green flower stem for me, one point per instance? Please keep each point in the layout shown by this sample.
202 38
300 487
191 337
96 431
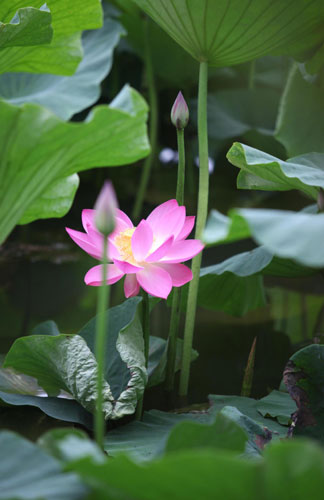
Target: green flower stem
201 222
251 75
101 338
146 335
153 126
176 300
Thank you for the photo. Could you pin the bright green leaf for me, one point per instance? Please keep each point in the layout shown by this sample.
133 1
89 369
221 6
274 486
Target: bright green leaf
64 53
227 32
67 95
28 27
34 157
259 170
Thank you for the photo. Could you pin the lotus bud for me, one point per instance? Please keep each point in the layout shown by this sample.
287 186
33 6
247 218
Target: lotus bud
180 112
105 208
320 200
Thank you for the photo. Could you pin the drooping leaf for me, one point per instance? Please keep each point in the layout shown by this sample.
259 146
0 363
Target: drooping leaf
36 157
67 95
303 377
227 32
66 362
277 405
259 170
222 434
286 234
26 472
300 126
28 27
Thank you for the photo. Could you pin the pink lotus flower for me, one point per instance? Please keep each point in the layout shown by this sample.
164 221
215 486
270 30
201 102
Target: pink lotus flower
149 255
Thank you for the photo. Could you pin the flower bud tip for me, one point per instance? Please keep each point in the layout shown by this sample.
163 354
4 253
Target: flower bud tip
105 209
180 112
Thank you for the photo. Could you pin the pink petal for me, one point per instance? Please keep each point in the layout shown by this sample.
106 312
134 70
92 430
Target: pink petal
84 242
97 240
142 240
121 215
155 216
126 267
131 286
187 227
94 275
161 251
87 217
183 250
170 225
155 280
180 274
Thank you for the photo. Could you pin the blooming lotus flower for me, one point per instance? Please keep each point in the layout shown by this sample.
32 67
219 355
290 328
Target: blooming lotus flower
149 255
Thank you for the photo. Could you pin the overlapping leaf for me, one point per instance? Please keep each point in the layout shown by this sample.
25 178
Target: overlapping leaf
67 95
226 32
64 53
28 27
34 158
286 234
259 170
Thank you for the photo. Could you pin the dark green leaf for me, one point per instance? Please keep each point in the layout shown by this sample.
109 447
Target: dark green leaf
278 405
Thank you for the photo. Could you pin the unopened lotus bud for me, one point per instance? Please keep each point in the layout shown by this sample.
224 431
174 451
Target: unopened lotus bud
180 112
105 209
320 200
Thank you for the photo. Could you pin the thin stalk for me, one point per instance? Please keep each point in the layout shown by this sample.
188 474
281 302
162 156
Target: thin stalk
153 125
249 372
101 338
176 300
146 335
201 222
251 75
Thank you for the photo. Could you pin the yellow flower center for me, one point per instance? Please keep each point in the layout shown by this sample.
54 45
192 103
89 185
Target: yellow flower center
123 242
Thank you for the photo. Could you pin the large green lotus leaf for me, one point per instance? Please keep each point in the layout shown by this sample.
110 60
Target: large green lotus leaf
29 26
27 472
259 170
64 53
227 32
304 379
277 405
66 362
300 125
294 469
292 235
35 157
186 475
67 95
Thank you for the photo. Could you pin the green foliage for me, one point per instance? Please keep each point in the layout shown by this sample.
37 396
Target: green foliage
27 472
67 95
286 234
259 170
29 26
64 53
300 126
303 377
244 30
35 158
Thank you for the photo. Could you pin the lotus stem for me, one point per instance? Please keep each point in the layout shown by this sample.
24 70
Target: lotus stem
101 338
201 222
153 126
176 300
146 335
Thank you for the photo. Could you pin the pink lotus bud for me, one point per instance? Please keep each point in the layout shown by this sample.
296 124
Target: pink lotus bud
105 208
180 112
